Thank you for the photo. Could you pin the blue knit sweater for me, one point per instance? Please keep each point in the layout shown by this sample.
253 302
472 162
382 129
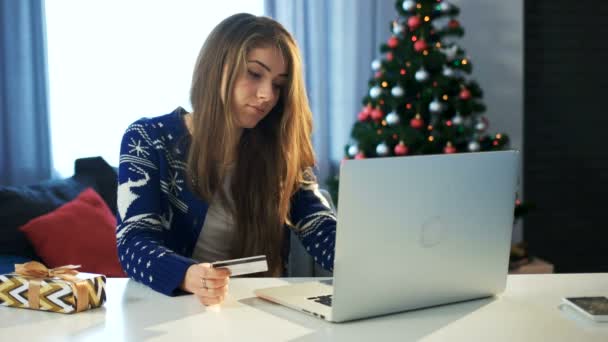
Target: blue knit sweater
160 218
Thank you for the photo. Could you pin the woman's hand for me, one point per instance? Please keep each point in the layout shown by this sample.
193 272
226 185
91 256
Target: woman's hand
209 284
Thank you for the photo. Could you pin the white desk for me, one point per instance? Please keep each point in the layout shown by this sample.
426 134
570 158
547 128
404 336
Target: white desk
527 311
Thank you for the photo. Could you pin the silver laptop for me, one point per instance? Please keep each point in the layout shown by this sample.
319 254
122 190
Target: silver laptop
414 232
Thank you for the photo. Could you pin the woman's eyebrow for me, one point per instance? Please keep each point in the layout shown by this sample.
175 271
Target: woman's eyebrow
264 66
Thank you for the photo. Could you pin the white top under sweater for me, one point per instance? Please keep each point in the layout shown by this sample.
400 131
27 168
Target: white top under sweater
214 242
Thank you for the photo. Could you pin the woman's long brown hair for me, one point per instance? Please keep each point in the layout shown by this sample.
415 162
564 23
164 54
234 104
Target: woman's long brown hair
271 157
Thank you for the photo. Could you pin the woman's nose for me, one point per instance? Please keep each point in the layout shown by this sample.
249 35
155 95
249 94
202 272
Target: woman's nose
265 91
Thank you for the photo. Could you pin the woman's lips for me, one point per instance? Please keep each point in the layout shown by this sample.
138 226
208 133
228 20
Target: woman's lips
258 109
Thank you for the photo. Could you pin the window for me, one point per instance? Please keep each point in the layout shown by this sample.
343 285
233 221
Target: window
112 62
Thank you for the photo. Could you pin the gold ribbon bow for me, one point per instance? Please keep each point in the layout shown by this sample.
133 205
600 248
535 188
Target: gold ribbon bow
36 272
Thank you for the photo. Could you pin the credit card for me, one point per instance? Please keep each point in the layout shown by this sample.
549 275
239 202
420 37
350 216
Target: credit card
241 266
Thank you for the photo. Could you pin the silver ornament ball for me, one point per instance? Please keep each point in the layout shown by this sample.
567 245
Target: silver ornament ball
448 72
375 91
481 126
473 146
382 149
397 91
445 6
421 75
409 5
376 65
398 29
392 118
353 150
457 119
435 106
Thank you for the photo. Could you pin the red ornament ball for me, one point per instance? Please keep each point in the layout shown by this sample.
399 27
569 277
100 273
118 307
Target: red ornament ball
420 45
378 74
365 113
362 116
377 114
401 149
465 94
449 148
393 42
389 56
360 155
453 24
417 122
413 22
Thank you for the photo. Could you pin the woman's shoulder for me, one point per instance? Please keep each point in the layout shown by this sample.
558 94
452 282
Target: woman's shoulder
170 124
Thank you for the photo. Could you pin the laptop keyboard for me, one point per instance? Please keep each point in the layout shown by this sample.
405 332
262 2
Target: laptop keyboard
325 300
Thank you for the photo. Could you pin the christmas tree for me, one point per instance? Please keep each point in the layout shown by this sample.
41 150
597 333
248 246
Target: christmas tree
421 97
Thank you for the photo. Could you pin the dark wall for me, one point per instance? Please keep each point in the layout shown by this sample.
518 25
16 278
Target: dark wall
566 132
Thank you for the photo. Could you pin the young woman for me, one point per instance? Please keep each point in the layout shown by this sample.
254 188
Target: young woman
231 178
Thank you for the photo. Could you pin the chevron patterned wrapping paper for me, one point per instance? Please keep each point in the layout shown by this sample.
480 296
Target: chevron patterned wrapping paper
56 295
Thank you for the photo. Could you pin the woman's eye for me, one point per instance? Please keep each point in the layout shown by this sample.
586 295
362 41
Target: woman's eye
254 74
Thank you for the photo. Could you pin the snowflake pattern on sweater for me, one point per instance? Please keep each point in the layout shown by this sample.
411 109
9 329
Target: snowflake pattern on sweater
159 219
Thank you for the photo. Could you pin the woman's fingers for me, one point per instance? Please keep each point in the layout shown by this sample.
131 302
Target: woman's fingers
214 273
210 300
213 286
217 292
216 283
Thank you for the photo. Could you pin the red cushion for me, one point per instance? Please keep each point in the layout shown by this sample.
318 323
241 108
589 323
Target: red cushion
80 232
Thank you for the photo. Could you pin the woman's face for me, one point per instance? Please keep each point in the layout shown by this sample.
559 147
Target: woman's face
257 90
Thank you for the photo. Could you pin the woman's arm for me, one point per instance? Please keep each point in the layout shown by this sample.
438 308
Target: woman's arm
142 220
315 224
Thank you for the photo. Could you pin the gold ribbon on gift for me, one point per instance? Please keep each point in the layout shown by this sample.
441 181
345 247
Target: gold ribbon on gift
37 272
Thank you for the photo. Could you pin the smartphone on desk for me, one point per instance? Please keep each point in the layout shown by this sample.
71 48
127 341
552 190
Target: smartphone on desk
595 308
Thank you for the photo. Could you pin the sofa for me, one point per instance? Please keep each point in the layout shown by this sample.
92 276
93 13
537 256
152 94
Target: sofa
22 204
31 223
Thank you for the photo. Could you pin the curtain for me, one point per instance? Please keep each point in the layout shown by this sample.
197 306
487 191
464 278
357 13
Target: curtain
24 128
338 40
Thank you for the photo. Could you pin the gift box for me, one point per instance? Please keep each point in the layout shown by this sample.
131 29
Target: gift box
61 289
